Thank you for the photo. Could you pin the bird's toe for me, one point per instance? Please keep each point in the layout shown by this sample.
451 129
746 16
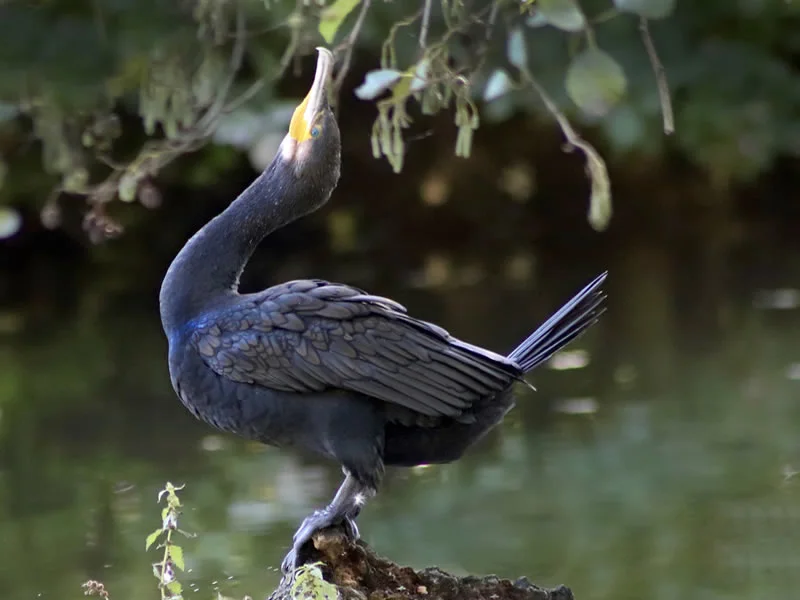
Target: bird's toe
351 529
289 563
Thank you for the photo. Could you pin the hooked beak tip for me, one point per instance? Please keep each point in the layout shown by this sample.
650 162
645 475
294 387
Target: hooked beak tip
317 96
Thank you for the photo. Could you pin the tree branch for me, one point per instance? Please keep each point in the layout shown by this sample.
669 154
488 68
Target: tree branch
349 46
426 21
600 200
661 77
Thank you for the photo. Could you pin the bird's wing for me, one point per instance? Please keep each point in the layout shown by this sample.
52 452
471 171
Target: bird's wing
309 335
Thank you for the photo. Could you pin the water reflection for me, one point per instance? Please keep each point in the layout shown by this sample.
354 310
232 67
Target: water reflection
648 465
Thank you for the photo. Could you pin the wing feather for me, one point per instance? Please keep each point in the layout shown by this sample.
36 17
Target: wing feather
307 336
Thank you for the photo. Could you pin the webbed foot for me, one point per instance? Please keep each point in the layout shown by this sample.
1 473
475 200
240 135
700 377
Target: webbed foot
319 519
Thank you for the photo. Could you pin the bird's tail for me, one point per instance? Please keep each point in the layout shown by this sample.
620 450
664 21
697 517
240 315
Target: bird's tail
568 323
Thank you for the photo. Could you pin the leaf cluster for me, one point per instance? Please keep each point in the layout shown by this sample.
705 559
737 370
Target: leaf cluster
184 67
172 559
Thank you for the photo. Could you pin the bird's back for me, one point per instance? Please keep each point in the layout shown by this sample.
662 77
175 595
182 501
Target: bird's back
309 337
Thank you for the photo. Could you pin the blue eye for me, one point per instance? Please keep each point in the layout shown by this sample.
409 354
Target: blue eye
315 132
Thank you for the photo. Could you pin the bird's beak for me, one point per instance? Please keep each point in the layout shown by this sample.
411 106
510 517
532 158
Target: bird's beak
316 100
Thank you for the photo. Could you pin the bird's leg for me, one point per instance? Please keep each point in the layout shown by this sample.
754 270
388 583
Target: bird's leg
342 510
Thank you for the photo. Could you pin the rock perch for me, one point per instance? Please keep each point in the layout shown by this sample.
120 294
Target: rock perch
338 568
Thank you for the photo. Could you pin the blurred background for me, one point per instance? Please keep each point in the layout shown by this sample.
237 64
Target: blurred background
656 460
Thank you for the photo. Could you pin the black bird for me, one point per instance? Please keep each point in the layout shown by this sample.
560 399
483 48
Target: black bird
326 367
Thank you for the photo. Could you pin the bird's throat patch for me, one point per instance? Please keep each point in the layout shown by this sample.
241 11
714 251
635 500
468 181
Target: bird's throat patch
299 128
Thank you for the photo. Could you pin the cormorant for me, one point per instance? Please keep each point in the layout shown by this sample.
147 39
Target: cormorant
326 367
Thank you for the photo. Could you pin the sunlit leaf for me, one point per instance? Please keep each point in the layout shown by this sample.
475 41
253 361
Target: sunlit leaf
333 16
420 76
499 83
402 89
128 184
175 587
563 14
649 9
76 180
10 222
377 82
595 82
516 50
308 583
152 538
176 554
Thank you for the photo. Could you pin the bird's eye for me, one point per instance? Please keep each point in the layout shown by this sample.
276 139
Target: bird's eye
315 131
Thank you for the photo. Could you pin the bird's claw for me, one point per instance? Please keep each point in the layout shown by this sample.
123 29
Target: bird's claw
319 519
351 529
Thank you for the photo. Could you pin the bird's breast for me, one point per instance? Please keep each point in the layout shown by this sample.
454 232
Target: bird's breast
250 411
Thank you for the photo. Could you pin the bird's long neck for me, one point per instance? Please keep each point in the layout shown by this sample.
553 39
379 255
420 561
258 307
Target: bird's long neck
206 271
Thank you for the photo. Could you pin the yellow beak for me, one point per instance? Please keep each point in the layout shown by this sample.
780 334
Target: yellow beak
304 115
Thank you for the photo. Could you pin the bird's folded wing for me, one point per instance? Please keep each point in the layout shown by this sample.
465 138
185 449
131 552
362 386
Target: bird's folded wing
308 336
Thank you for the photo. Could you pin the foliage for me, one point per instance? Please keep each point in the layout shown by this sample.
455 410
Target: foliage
164 570
307 581
309 584
172 559
71 74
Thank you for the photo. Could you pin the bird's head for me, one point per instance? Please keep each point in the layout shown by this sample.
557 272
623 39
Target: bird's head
312 148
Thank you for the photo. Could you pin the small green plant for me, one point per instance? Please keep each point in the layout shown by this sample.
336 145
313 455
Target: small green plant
309 584
165 569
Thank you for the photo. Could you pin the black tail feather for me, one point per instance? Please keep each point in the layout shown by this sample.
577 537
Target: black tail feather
568 323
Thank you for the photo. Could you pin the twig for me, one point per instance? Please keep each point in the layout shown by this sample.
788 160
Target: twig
492 19
573 137
600 207
661 77
349 46
484 48
256 86
426 21
207 121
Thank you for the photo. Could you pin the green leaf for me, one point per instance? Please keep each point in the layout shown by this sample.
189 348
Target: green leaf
333 16
499 83
152 538
308 583
595 82
76 180
128 184
175 587
176 554
563 14
419 77
377 82
402 88
649 9
516 50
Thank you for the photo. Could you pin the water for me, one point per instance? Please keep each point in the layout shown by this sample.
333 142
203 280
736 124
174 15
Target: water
658 465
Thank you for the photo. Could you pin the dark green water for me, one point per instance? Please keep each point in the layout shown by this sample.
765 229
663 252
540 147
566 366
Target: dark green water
656 470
